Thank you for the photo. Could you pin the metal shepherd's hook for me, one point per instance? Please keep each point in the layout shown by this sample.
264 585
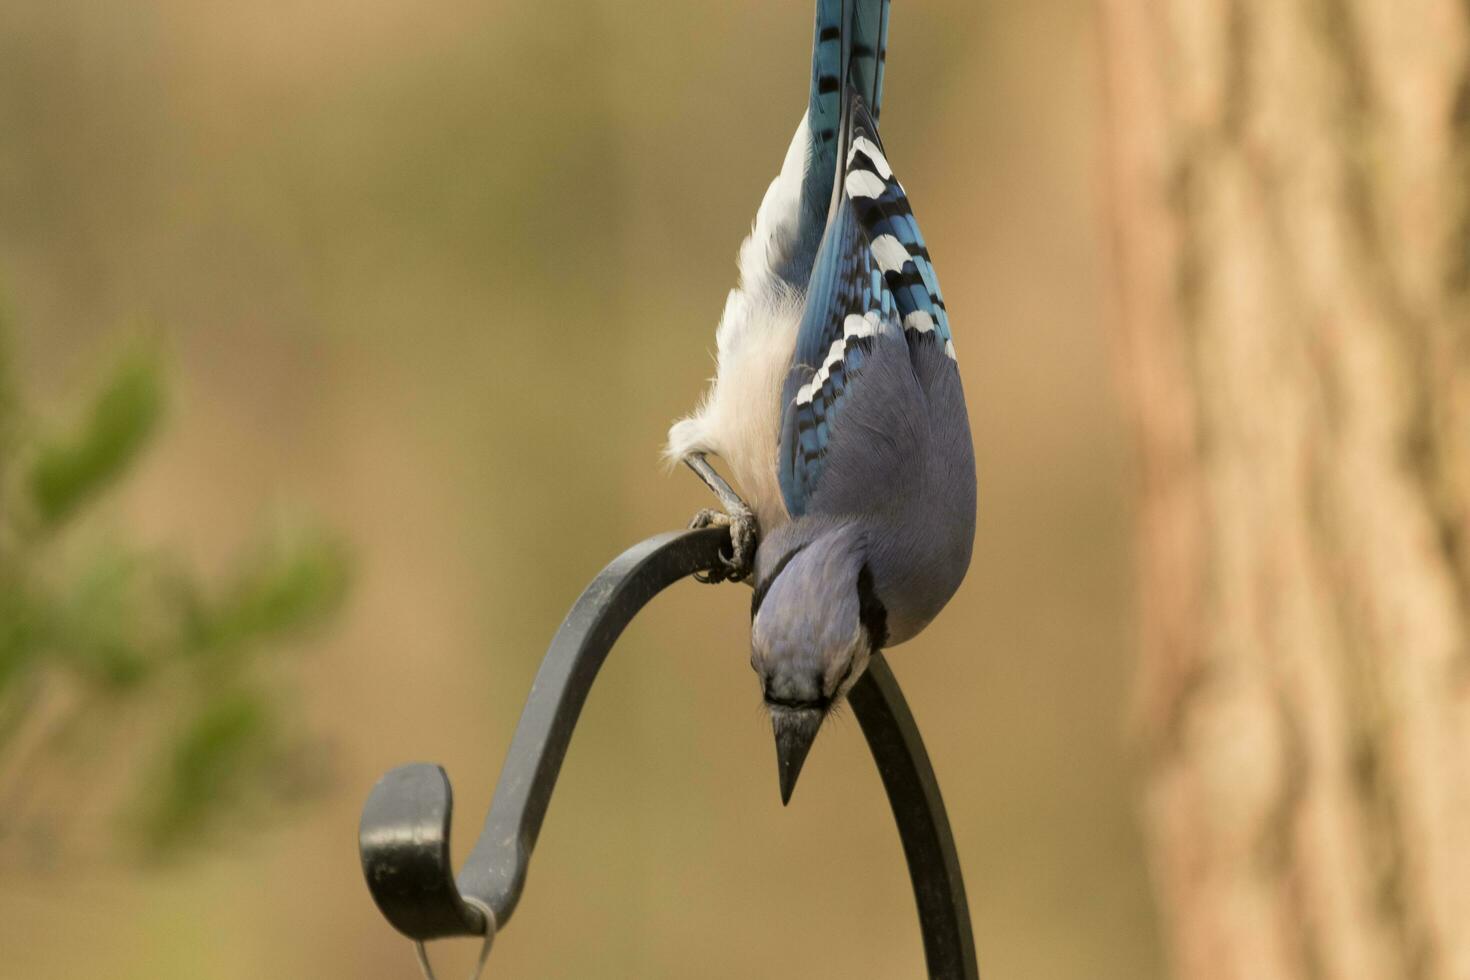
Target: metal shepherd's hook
404 833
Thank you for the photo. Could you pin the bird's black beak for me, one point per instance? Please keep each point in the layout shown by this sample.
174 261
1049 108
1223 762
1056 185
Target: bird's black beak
796 729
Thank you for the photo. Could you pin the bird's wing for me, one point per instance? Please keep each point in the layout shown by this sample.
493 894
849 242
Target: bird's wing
872 276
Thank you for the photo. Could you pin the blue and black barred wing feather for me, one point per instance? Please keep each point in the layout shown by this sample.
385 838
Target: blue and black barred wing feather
846 307
893 237
872 276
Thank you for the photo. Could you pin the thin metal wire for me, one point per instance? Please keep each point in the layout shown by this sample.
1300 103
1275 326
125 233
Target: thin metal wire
490 928
423 957
422 953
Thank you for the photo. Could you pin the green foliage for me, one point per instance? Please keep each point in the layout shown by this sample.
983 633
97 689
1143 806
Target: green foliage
67 471
296 581
160 674
205 766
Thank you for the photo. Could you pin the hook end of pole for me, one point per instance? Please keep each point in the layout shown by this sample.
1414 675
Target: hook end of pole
403 840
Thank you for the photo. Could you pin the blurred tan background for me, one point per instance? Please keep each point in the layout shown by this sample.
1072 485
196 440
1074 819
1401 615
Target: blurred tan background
443 274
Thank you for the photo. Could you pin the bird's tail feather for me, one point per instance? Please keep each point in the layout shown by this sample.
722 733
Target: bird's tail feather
848 46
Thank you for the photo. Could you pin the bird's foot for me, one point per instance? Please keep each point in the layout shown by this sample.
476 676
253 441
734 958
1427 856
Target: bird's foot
743 534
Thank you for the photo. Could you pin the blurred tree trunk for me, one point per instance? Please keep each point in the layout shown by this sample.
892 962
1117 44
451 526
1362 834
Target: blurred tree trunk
1289 185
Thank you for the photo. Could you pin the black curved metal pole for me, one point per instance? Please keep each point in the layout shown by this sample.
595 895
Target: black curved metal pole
923 825
404 833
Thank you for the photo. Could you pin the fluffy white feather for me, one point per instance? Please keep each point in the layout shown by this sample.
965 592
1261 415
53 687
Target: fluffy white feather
739 418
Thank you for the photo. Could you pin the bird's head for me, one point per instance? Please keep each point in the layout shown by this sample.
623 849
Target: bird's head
815 622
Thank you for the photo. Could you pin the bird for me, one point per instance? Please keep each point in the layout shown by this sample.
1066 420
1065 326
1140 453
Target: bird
837 406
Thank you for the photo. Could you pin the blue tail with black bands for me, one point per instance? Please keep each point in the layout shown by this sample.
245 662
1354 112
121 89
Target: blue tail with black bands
849 47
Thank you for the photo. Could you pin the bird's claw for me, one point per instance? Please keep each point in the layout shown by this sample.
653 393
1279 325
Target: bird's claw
743 535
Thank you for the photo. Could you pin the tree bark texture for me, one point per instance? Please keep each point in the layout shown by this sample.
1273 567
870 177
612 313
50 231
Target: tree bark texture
1289 196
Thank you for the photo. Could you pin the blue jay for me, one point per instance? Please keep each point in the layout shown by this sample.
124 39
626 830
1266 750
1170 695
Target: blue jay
837 405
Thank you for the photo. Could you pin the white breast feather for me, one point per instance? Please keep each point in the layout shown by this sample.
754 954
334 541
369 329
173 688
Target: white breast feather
739 419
